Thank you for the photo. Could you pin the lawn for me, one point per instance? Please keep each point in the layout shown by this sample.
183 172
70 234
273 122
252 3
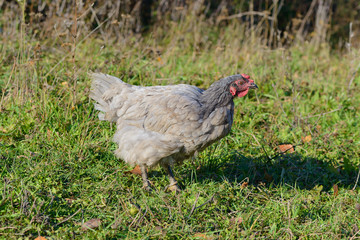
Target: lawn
58 170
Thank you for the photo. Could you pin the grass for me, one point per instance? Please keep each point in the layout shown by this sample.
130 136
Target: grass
57 164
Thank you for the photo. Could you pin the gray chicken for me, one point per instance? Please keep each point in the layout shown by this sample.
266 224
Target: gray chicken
166 124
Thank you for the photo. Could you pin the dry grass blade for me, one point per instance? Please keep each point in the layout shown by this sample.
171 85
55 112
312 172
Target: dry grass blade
68 218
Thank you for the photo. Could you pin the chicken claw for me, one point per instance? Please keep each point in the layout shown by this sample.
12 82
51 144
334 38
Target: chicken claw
173 188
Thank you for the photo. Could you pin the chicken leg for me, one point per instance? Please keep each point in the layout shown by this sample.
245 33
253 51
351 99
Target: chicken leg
144 175
173 183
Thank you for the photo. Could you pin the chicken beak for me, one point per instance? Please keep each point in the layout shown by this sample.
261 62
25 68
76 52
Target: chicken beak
253 86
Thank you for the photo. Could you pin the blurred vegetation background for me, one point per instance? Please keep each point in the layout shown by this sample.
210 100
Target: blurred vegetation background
280 22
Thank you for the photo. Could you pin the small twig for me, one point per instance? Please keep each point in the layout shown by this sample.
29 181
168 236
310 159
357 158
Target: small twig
139 220
353 237
322 114
193 207
37 213
68 218
47 207
249 13
357 180
96 19
4 228
111 174
135 219
262 146
210 200
259 144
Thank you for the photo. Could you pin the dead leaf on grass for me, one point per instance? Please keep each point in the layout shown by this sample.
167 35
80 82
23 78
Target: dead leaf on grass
40 238
336 189
203 236
244 185
286 148
91 224
306 139
135 171
236 220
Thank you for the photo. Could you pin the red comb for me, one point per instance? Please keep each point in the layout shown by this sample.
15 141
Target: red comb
245 76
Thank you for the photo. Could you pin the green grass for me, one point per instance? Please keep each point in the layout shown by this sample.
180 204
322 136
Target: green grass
57 157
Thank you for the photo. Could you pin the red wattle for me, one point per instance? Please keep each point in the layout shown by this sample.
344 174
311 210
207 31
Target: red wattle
243 93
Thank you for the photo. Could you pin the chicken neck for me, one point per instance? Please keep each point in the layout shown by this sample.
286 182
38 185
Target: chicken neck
217 95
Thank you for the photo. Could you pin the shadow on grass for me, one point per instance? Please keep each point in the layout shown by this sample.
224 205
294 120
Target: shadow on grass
292 169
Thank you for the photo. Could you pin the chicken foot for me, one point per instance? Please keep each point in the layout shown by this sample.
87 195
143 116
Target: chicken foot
173 183
144 175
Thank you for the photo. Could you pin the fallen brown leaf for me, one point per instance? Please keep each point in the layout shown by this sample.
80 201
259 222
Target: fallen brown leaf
91 224
244 185
202 236
286 148
236 220
40 238
306 139
336 189
135 171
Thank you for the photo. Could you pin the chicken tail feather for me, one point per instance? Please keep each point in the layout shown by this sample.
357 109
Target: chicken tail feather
102 86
